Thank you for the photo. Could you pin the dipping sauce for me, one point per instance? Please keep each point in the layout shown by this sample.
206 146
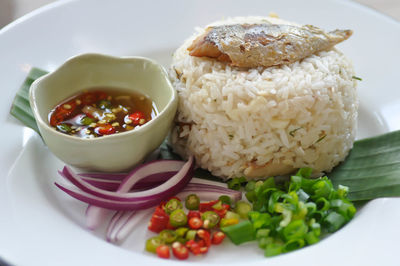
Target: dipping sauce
100 111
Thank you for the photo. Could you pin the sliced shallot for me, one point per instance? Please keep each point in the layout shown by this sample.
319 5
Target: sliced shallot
122 200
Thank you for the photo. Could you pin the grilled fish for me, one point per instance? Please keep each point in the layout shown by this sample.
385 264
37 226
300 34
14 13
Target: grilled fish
253 45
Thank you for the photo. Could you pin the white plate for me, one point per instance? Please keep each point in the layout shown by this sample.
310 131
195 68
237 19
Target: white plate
39 225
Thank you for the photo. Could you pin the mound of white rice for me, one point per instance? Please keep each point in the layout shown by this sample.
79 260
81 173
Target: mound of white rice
264 121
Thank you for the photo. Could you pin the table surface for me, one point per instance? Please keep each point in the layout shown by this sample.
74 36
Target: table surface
13 9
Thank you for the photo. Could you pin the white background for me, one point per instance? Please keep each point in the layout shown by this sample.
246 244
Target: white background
13 9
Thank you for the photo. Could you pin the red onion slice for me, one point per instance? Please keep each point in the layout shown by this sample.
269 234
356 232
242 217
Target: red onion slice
114 220
145 199
109 204
109 185
206 192
113 185
105 176
125 224
95 214
171 186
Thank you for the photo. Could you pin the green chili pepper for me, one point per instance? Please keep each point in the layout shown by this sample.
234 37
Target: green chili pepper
217 206
178 218
153 243
181 240
181 231
191 235
225 200
104 104
242 208
240 233
86 121
172 205
192 202
231 215
168 236
64 128
210 219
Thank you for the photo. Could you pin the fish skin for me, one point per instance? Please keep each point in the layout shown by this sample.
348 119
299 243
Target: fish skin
253 45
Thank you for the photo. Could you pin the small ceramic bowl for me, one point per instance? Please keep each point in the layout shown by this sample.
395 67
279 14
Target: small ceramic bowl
120 151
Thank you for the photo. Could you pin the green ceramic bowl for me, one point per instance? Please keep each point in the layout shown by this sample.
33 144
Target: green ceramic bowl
118 152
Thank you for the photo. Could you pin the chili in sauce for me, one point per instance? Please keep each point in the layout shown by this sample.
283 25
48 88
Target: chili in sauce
101 111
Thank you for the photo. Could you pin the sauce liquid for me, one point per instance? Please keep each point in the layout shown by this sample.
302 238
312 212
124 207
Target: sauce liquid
100 111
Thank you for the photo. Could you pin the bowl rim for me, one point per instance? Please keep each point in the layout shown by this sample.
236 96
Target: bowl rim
42 124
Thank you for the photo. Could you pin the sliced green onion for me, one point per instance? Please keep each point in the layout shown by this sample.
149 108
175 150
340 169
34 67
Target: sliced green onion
273 249
264 242
250 186
322 204
295 230
293 244
262 233
236 183
334 221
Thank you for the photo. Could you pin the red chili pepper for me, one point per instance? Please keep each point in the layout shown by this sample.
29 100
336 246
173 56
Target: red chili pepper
204 235
193 246
221 212
174 197
101 95
169 225
104 129
163 251
203 250
180 251
137 118
159 220
207 206
217 238
202 243
192 214
89 97
56 118
62 112
195 223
